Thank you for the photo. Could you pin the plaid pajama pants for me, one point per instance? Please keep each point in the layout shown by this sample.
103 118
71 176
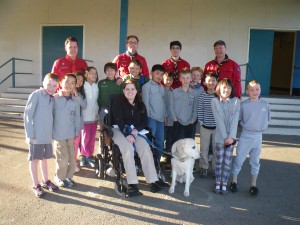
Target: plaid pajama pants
224 158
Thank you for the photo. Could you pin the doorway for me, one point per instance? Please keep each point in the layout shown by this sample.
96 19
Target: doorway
273 60
282 63
53 40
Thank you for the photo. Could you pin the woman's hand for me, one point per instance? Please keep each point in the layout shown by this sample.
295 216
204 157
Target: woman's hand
130 138
134 132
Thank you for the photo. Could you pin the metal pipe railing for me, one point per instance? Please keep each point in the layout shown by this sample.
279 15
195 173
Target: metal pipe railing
13 73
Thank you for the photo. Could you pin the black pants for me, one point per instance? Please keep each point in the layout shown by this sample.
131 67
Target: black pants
182 131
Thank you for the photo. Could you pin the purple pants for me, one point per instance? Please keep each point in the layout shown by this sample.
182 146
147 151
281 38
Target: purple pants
88 137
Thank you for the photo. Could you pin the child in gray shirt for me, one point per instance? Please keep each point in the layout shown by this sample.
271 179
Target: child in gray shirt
226 109
38 123
66 127
254 119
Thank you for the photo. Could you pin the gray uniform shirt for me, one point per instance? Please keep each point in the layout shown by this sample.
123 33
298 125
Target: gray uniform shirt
66 118
154 99
169 118
226 115
184 106
255 116
38 117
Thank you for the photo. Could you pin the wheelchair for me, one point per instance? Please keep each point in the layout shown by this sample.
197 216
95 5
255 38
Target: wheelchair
109 159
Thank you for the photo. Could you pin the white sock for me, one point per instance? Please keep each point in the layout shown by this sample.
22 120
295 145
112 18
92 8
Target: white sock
224 188
217 187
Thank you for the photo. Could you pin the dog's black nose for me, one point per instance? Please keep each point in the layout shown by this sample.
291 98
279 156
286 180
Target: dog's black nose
194 147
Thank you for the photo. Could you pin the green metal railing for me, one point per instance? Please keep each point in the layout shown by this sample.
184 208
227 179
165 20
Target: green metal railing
248 69
14 73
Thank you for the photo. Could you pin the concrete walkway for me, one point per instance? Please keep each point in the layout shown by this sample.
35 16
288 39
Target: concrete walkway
94 201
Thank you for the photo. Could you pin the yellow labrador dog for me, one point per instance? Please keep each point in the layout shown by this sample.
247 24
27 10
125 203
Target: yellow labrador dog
184 152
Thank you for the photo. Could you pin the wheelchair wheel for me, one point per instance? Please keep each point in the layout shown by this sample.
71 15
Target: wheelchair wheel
100 166
121 187
161 177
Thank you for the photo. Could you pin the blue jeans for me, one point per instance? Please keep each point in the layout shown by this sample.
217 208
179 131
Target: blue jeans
157 129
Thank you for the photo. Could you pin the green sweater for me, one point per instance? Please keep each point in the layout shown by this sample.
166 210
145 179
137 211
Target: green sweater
106 88
139 82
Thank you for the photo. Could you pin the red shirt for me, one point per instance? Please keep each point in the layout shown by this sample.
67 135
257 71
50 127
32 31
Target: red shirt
226 69
169 65
66 65
123 61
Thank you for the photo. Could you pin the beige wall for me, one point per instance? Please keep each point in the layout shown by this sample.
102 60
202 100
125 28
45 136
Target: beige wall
21 22
196 23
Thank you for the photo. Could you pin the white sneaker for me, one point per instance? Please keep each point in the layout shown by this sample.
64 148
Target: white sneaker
59 182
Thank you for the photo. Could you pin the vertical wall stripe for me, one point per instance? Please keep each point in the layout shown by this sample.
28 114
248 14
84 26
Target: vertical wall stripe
123 25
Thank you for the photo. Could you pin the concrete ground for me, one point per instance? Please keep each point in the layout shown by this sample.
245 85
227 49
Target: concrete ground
93 201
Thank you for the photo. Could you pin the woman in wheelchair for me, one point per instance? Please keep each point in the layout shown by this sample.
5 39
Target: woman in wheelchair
129 110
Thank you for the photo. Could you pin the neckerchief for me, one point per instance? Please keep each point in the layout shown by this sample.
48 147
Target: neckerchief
220 64
131 55
175 73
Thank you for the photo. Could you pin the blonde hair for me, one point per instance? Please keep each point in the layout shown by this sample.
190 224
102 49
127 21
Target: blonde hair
252 82
185 71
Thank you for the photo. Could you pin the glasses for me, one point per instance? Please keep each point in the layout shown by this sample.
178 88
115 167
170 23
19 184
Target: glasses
132 42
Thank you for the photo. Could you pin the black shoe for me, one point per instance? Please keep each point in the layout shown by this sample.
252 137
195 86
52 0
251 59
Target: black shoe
132 190
162 184
254 191
233 187
154 188
203 173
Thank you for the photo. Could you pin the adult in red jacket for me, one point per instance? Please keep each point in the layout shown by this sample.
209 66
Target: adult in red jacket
175 64
225 67
124 59
70 63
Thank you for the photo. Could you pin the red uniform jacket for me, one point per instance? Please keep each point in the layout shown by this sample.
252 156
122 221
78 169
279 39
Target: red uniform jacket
226 69
66 65
169 66
123 61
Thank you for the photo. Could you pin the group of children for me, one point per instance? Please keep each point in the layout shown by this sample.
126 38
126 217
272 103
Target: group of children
69 117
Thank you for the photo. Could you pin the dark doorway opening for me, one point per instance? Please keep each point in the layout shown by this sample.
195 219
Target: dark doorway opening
282 63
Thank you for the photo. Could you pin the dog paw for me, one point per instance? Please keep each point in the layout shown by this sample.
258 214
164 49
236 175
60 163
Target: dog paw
186 193
171 190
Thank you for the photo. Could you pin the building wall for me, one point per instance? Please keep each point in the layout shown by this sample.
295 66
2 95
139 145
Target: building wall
196 23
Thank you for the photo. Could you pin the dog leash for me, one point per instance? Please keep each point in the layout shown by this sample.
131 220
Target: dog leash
153 145
127 131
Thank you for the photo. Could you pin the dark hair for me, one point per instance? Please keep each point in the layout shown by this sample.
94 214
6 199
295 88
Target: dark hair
52 76
219 42
158 67
212 75
81 89
137 100
225 82
137 62
132 36
169 74
110 65
70 39
87 70
69 75
172 43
